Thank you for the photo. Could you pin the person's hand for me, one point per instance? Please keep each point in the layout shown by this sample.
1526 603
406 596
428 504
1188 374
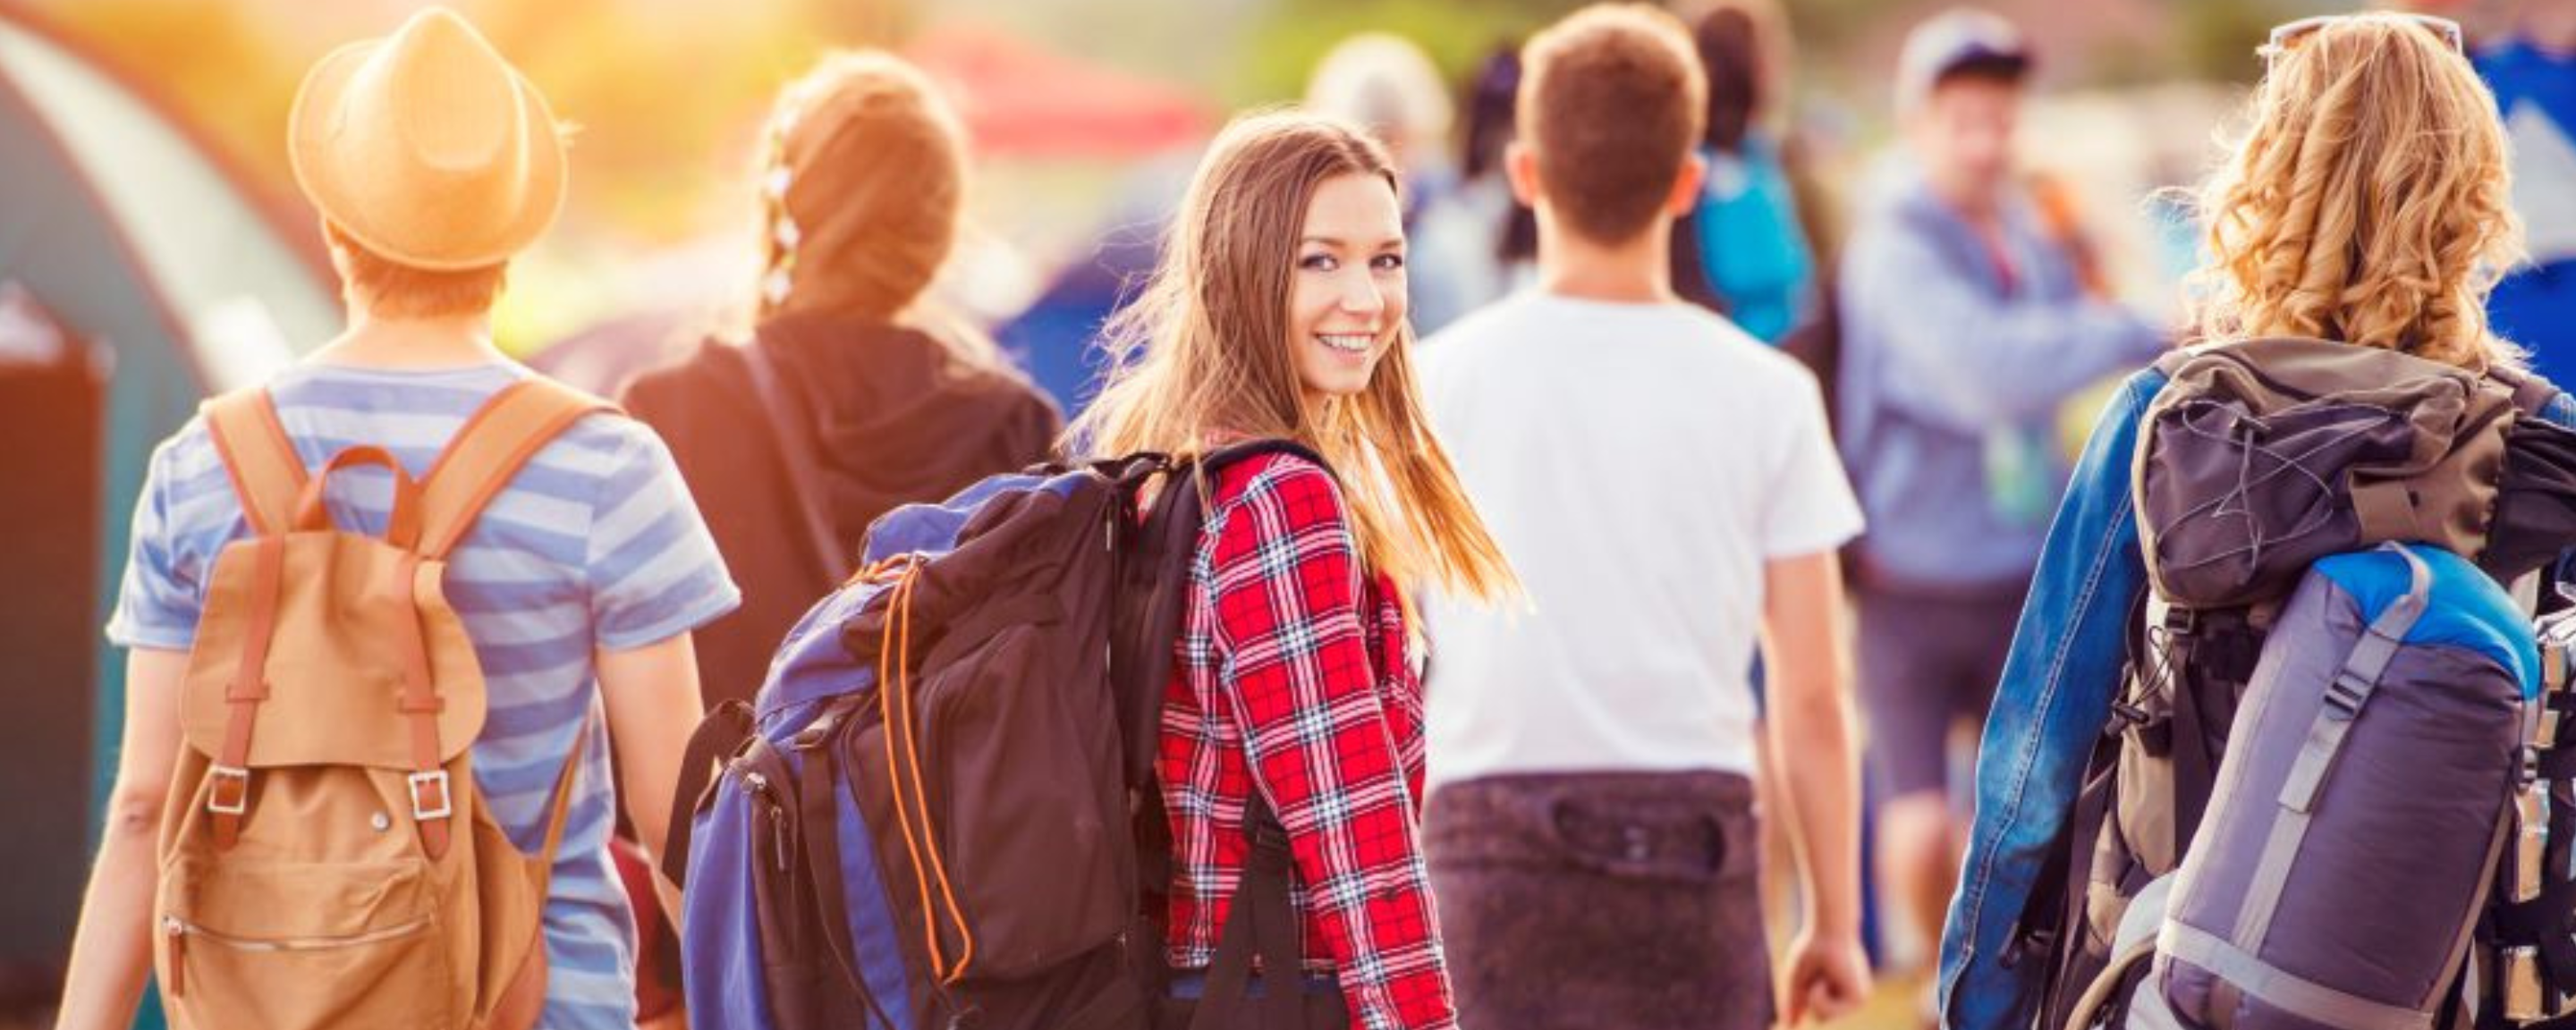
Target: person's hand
1827 977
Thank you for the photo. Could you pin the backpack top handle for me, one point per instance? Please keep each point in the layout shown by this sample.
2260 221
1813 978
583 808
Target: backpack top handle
403 526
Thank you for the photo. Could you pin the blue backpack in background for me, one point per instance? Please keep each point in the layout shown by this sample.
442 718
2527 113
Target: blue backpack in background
1751 247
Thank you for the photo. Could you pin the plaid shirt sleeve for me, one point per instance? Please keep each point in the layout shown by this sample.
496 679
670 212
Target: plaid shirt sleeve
1286 589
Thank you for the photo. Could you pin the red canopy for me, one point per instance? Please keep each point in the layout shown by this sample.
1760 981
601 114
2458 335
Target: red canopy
1021 99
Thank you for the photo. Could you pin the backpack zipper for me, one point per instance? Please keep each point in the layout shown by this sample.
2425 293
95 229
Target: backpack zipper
180 930
777 813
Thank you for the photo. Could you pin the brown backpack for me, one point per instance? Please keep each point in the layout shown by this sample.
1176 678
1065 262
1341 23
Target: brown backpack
2261 456
326 859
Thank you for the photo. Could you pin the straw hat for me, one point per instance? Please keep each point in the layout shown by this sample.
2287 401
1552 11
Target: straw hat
427 147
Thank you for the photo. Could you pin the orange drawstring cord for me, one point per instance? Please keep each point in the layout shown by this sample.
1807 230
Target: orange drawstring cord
894 694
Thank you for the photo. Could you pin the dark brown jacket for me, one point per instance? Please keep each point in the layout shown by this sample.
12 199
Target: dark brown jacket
897 418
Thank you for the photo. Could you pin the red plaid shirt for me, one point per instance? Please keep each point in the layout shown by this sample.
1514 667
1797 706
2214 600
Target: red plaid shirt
1292 676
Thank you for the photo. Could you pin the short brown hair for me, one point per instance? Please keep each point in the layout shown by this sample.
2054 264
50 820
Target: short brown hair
1612 99
390 289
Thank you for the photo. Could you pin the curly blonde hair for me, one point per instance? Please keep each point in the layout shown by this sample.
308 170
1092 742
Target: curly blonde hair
2371 202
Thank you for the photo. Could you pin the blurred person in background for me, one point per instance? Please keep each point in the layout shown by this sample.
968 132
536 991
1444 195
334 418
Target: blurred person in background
1591 828
1747 249
1386 84
848 398
1478 240
1964 325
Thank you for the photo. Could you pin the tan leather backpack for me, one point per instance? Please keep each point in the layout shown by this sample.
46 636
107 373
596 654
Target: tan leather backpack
326 858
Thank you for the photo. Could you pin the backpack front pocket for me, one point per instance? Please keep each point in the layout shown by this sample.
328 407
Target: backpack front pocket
301 946
1031 816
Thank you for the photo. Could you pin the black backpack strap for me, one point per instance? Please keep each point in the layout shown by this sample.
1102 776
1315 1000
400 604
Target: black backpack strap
818 823
1263 921
1155 578
1218 460
789 428
719 736
1157 583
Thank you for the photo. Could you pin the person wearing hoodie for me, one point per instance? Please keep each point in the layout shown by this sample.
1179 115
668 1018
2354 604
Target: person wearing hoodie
845 402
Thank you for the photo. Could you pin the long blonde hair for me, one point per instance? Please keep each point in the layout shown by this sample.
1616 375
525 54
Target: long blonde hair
1204 355
2371 202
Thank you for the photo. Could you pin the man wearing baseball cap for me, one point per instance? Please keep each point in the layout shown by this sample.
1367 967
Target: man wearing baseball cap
432 163
1965 325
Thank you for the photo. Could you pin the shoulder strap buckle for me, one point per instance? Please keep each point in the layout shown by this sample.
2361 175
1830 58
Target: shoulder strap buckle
228 791
430 798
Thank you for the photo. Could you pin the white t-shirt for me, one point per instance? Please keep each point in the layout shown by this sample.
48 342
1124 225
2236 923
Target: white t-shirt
1638 463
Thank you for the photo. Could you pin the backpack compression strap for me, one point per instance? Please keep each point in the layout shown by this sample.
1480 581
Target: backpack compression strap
489 449
266 474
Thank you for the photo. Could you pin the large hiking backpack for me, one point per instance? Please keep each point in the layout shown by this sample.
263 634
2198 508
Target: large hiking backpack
2267 474
327 859
941 811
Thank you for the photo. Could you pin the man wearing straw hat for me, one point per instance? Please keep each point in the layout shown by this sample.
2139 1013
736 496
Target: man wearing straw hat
432 163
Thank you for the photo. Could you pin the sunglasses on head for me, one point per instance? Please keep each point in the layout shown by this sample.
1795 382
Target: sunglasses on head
2289 34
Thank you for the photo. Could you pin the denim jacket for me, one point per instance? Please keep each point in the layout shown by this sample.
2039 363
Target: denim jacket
2052 703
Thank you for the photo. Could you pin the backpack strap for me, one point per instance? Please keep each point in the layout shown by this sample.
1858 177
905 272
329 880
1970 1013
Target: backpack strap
1264 922
228 780
488 450
559 803
266 474
428 788
793 431
2531 393
267 478
2169 364
1263 917
1141 651
719 736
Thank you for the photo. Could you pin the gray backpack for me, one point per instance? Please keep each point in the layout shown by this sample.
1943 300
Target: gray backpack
2365 794
2323 743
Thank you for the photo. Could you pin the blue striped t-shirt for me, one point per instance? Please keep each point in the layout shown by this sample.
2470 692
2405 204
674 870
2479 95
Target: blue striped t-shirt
595 544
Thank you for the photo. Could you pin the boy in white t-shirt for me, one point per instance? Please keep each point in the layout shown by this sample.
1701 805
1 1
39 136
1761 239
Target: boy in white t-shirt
1665 487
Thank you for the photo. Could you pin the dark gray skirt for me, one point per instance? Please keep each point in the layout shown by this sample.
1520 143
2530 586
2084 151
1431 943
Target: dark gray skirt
1627 900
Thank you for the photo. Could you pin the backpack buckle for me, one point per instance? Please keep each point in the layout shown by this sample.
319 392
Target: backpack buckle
2345 696
436 780
230 791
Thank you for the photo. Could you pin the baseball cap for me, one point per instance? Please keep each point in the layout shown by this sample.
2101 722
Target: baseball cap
1953 40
